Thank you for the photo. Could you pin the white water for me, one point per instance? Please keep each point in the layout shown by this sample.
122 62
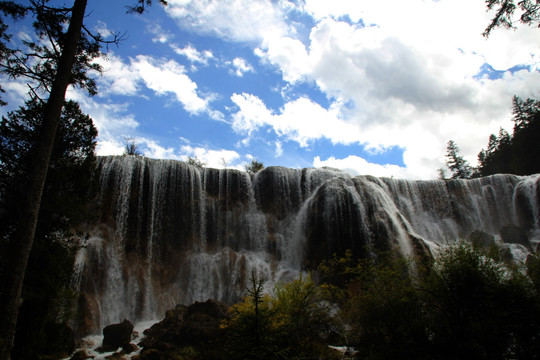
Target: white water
170 233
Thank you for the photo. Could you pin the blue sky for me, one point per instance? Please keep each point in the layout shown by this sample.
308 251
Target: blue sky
371 87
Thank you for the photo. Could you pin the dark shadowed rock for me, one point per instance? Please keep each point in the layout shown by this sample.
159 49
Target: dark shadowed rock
513 234
481 240
185 329
81 355
116 335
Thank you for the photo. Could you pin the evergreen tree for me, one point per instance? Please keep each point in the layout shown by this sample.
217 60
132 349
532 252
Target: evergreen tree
64 204
64 60
505 10
518 153
456 163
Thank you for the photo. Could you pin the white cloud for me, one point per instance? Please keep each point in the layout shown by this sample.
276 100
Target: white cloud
237 20
279 149
118 77
113 122
404 77
217 159
240 67
168 77
152 149
160 35
356 165
301 120
163 77
193 55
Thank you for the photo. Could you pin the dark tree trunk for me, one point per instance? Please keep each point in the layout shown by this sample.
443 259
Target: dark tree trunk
23 236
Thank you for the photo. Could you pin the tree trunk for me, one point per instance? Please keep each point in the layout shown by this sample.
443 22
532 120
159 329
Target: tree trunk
23 236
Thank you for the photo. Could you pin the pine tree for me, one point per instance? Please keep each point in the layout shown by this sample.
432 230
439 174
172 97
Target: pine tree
459 167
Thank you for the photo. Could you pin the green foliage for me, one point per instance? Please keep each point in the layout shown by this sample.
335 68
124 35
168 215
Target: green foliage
384 310
293 323
479 308
254 167
64 204
462 305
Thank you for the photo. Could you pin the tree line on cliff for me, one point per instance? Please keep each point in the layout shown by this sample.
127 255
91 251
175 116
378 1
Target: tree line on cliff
517 153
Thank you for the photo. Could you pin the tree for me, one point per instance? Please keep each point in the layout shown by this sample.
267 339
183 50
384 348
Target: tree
131 148
291 323
64 205
254 167
505 10
457 164
64 61
462 304
513 153
195 161
477 307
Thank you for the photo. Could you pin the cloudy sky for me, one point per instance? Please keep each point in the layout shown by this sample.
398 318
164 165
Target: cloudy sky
369 86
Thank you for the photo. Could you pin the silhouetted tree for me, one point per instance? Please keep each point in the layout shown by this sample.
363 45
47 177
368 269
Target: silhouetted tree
64 204
516 153
131 148
459 167
64 59
505 10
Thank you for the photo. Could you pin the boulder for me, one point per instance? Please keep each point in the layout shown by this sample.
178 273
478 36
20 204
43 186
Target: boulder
129 348
186 329
116 335
512 234
81 355
481 240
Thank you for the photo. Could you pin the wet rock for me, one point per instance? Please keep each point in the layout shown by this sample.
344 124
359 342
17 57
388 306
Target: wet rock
481 240
116 356
106 348
513 234
115 336
129 348
185 329
81 355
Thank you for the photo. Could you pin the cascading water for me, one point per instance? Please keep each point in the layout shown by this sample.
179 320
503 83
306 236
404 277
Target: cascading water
167 232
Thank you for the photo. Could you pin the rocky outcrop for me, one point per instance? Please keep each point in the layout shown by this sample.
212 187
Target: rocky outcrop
481 240
193 331
116 335
513 234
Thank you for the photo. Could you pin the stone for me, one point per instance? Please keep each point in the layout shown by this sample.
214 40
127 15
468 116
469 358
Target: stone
185 327
481 240
512 234
81 355
129 348
105 349
116 335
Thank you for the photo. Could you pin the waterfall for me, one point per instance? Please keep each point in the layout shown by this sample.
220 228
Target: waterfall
166 232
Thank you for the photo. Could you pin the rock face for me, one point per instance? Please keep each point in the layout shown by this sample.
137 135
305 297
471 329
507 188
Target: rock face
481 240
117 335
168 233
513 234
194 329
